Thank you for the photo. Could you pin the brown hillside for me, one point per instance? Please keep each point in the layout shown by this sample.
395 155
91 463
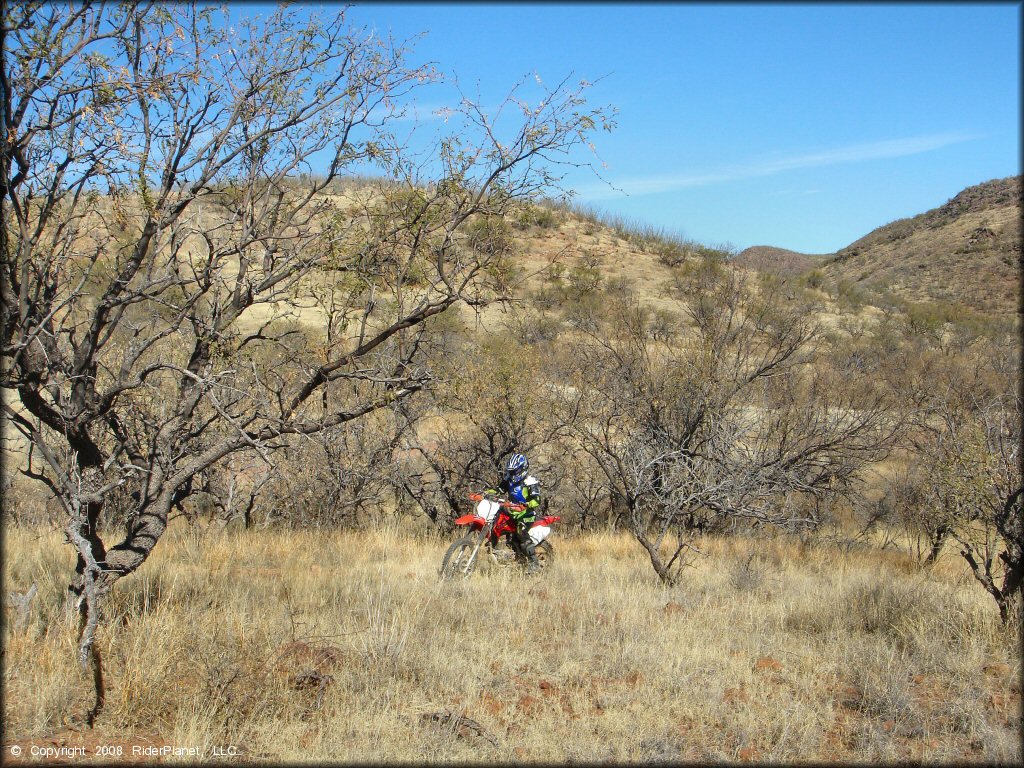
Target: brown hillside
967 251
766 258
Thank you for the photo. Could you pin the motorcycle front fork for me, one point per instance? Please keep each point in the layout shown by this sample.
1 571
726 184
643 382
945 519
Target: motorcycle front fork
484 534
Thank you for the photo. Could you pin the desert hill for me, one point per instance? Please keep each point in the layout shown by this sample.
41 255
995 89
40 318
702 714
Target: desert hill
967 251
561 258
766 258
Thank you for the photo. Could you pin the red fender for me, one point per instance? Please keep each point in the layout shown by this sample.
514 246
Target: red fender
475 520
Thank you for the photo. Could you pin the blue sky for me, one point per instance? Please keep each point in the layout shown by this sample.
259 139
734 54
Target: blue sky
802 126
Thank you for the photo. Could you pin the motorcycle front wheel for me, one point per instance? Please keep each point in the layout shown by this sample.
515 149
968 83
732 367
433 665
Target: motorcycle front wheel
457 559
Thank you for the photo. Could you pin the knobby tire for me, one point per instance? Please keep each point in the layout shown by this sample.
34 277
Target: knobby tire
545 554
456 556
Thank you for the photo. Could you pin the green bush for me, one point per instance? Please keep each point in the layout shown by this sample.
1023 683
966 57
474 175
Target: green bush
584 279
849 294
542 216
555 272
504 271
814 279
535 328
672 251
924 320
490 235
619 285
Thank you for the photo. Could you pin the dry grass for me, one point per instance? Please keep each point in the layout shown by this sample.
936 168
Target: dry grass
340 646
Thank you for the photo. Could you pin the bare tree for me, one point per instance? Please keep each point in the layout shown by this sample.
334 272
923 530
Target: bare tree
730 424
160 258
968 450
495 402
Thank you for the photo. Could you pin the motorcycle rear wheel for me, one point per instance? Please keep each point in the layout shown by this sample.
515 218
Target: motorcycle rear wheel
456 559
545 554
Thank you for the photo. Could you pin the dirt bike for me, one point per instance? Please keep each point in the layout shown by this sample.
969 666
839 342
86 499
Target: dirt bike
491 535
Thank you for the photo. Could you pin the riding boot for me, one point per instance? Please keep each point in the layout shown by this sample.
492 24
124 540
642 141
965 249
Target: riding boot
529 550
532 564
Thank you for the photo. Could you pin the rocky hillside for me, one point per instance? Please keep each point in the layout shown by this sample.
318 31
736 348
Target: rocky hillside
766 258
966 251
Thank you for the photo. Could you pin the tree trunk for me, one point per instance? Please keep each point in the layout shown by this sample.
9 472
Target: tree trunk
149 525
1011 528
98 571
88 530
936 541
660 568
983 573
87 590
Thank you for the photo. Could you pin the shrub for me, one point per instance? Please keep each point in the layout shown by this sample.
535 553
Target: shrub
555 272
548 296
584 279
542 216
927 320
672 251
715 252
665 324
848 294
618 285
490 235
813 279
584 312
535 328
504 271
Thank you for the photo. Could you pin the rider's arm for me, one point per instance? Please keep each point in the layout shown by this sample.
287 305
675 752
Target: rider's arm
533 501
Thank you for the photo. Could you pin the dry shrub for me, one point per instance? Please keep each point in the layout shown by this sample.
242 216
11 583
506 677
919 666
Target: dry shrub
749 575
883 692
909 611
886 607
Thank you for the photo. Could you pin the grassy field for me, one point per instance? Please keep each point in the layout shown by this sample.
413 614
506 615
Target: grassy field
344 647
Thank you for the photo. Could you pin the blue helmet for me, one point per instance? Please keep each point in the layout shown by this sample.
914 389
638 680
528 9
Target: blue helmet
516 468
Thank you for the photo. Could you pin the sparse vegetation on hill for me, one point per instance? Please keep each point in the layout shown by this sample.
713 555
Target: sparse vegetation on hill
967 251
764 258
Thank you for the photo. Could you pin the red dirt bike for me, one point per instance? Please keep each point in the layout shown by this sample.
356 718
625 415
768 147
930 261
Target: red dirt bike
491 530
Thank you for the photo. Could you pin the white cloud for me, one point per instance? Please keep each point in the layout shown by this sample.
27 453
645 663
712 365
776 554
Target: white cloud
419 113
767 166
795 192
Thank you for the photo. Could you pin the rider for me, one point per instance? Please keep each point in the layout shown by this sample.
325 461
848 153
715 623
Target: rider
521 488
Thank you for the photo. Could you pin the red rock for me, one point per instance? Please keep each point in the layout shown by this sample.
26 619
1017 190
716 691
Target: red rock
996 701
734 694
767 662
997 669
527 703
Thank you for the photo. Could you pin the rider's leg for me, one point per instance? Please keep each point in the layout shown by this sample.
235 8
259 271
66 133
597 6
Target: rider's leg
527 546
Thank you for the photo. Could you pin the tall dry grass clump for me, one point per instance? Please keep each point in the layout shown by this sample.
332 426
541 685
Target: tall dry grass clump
345 647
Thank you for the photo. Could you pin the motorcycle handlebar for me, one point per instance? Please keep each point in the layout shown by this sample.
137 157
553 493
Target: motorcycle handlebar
503 502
